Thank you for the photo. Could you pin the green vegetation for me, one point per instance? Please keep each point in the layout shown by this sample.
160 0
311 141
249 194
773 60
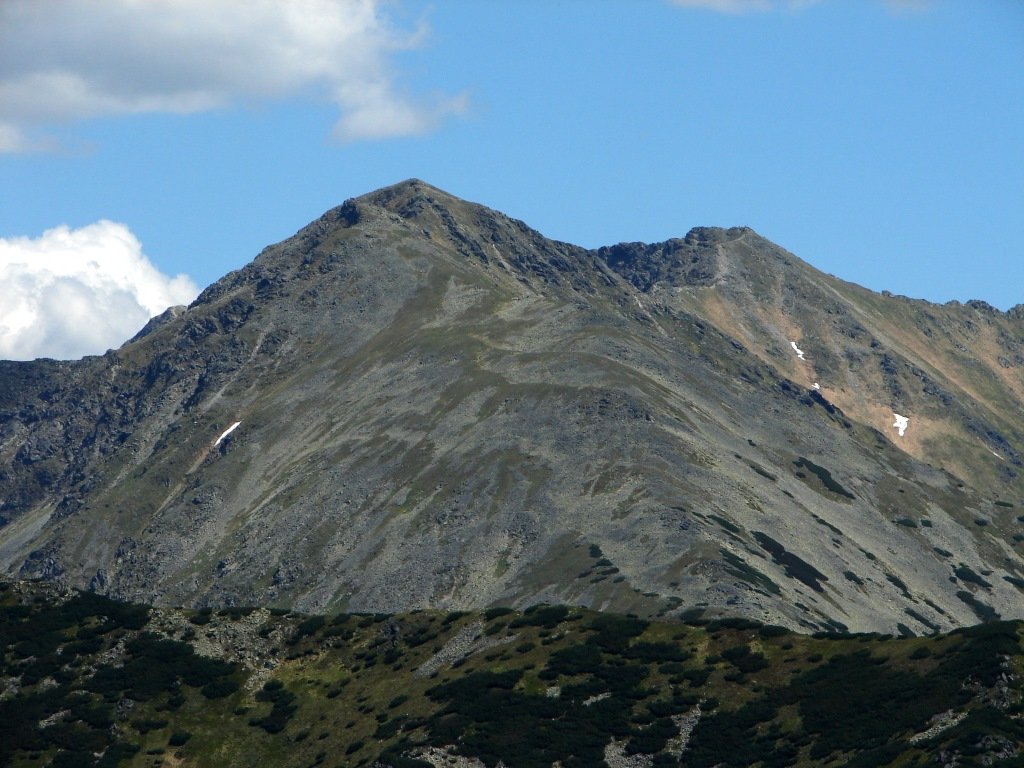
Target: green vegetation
57 650
726 524
91 682
964 573
795 567
983 611
824 476
741 569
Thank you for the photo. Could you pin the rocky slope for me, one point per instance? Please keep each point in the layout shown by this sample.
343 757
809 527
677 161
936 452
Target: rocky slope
436 406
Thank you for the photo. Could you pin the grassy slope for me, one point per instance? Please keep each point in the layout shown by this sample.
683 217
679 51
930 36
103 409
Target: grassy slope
87 681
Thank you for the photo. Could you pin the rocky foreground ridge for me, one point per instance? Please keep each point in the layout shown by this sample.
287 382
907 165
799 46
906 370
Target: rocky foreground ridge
417 402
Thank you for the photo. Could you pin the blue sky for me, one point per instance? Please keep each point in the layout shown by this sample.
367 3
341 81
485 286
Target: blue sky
881 141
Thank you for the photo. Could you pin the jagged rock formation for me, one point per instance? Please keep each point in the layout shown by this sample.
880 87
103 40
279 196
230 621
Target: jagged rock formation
437 406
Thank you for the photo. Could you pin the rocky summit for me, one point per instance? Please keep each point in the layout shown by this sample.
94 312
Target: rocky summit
418 402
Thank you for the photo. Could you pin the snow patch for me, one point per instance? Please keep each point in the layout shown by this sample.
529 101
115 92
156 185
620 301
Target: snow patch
799 352
901 423
817 385
227 432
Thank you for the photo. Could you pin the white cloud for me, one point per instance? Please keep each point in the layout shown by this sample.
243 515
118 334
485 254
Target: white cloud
75 292
13 139
78 59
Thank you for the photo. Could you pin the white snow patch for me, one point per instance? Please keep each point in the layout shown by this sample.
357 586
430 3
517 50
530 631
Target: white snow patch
799 352
817 385
901 423
227 432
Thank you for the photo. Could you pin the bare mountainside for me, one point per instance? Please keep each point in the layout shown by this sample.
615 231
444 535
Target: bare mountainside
419 402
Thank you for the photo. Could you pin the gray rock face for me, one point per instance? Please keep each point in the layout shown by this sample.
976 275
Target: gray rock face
436 406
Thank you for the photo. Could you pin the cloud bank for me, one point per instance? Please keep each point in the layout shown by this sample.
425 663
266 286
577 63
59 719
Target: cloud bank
77 59
75 292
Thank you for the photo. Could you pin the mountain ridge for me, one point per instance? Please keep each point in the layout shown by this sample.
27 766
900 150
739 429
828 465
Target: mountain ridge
439 407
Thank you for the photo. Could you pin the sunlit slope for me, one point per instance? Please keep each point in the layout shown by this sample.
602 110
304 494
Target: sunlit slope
438 407
955 371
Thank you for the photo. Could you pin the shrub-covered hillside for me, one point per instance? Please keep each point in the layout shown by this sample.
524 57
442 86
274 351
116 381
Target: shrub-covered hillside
85 681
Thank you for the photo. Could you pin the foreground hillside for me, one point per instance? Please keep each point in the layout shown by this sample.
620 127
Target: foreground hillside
86 681
418 402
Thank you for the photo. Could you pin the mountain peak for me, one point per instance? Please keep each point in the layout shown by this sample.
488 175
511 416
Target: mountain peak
408 198
713 235
418 401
